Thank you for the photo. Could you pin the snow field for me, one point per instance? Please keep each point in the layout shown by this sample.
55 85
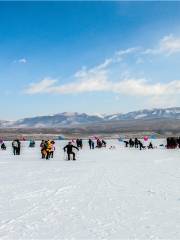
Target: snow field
106 194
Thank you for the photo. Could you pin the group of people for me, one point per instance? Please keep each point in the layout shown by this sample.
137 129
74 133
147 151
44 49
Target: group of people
137 144
99 143
173 142
47 149
79 145
48 146
16 145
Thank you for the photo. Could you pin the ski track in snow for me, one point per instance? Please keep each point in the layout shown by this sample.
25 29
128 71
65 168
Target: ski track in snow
105 194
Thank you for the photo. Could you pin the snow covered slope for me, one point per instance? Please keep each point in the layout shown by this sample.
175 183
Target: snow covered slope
105 194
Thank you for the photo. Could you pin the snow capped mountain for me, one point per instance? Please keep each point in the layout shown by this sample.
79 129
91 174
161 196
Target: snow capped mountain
57 120
6 123
171 113
72 118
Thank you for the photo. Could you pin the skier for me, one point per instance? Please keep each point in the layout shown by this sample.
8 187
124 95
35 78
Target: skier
69 149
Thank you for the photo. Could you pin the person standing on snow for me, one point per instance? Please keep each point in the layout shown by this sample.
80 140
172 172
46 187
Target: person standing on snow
136 142
14 146
77 142
131 143
81 143
90 143
19 147
51 155
42 149
49 146
69 149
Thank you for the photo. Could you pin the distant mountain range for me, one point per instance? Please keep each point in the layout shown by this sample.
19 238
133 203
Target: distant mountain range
69 119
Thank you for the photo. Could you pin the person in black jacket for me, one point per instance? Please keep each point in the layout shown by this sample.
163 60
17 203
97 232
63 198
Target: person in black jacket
69 149
19 147
3 146
136 142
141 146
90 143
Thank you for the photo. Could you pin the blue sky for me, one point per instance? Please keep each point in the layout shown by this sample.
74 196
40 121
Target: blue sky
94 57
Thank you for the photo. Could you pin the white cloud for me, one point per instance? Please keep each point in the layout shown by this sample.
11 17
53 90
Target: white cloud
40 87
170 44
117 57
127 51
97 79
98 82
122 53
140 87
85 81
167 45
21 61
105 64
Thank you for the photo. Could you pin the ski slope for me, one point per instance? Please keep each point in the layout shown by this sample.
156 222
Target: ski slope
106 194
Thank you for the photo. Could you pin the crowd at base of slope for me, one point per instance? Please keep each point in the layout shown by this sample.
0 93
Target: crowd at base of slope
47 147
